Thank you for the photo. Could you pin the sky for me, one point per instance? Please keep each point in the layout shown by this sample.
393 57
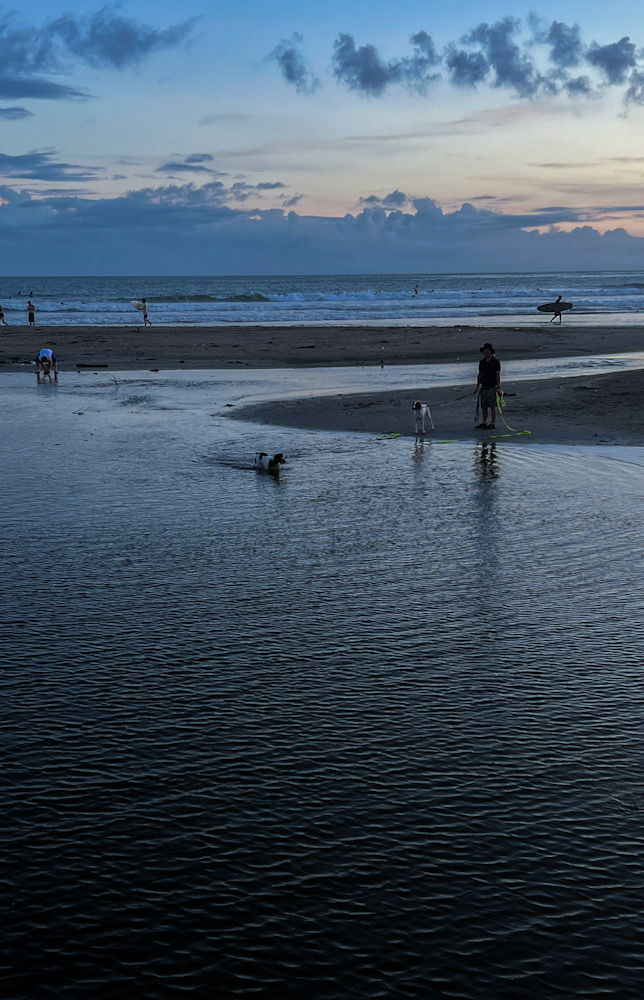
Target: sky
282 138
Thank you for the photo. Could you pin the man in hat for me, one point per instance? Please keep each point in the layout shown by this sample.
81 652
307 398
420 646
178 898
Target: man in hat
488 384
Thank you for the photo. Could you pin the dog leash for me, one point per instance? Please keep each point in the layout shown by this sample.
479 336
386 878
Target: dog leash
501 403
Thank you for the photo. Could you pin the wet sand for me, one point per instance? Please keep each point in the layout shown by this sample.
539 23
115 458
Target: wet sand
164 347
599 409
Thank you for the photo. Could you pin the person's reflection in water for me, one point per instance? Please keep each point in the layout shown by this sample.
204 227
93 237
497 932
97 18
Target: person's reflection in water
486 461
489 532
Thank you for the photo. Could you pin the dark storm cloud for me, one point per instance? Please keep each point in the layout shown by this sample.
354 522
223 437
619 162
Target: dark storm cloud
14 114
364 70
42 166
106 38
289 59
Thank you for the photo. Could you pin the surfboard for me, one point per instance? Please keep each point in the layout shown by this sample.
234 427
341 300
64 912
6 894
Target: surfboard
387 437
554 307
138 305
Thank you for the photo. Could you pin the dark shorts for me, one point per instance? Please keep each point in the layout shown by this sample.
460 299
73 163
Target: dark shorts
488 398
32 318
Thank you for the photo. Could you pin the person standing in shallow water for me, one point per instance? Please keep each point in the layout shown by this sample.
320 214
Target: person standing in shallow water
31 312
488 384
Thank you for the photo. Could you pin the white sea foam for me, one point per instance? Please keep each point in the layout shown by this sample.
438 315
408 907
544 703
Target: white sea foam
598 297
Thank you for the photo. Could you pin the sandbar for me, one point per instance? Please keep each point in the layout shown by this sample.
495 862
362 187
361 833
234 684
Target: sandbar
592 409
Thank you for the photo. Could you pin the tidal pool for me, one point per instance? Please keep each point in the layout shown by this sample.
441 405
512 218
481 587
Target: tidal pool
371 728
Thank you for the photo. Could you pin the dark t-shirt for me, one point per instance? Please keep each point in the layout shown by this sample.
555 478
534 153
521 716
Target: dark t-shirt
487 372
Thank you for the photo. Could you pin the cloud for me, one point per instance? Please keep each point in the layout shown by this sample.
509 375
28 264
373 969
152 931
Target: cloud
30 55
106 38
41 166
21 87
466 69
364 70
538 60
393 200
14 114
566 46
188 229
511 67
563 166
289 59
195 163
615 60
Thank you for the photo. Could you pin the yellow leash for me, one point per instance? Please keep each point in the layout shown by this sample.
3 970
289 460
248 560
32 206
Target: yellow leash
500 405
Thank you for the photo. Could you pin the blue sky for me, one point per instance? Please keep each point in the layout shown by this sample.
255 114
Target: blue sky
174 137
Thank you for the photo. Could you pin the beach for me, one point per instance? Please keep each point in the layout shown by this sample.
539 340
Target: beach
590 409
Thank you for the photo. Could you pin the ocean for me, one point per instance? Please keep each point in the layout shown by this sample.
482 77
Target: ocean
597 295
371 728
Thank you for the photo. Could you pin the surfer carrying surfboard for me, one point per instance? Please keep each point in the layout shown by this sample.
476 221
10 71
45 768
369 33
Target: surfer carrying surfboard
146 321
556 308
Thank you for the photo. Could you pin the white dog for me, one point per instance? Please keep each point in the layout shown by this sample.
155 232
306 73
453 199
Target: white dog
421 410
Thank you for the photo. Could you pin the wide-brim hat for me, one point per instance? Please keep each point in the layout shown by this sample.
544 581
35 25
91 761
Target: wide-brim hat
487 347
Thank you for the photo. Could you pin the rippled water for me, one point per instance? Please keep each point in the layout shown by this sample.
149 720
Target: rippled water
372 728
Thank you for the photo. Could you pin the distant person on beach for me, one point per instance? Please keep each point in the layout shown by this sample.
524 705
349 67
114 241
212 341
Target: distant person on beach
47 360
2 319
146 321
488 384
31 312
557 312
